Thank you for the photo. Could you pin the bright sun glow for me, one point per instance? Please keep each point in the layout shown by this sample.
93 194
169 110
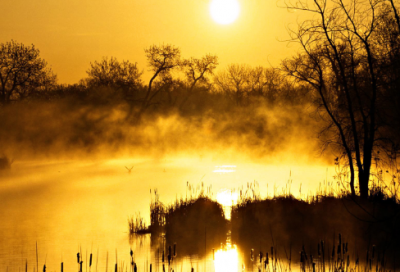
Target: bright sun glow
224 11
226 260
227 198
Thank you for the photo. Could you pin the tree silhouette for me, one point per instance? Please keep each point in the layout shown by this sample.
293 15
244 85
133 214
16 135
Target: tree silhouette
161 60
22 71
114 74
196 71
341 61
234 81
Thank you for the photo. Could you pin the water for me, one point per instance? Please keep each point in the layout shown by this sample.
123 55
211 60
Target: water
83 206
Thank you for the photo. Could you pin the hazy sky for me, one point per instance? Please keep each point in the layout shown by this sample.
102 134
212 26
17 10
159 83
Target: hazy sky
72 33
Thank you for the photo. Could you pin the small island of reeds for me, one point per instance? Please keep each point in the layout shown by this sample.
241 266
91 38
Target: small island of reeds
287 224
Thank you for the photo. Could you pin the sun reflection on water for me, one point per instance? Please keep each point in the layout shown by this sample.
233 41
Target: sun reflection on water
225 169
227 199
227 259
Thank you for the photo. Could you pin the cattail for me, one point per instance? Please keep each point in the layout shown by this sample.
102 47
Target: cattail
373 252
319 250
62 267
174 250
313 267
192 269
266 259
131 253
44 268
163 267
272 252
90 260
116 267
338 250
80 266
77 255
150 268
162 257
322 248
169 255
261 256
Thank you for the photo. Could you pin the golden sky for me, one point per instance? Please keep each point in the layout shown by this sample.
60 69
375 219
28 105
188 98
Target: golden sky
72 33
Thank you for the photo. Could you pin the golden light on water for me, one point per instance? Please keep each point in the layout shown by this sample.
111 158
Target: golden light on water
227 197
227 260
224 11
225 169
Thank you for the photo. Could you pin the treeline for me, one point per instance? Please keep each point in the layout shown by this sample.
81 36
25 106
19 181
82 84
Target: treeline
176 84
186 105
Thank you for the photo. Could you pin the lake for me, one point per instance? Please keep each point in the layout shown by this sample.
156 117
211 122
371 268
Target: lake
66 207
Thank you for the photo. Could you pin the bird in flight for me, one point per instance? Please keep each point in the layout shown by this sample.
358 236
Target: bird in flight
129 169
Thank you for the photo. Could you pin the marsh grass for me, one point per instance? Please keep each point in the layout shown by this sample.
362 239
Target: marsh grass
137 225
369 225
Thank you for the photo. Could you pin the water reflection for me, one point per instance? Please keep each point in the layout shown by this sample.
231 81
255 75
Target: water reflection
225 169
227 259
227 198
92 200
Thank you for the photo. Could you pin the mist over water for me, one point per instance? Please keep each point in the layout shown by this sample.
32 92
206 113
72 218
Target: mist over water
67 205
69 187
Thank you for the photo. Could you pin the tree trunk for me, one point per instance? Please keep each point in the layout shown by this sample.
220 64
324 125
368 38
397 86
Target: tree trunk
363 181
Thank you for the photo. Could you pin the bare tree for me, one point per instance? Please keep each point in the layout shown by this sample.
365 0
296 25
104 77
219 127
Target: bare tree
234 81
340 61
161 60
22 71
114 74
196 71
265 82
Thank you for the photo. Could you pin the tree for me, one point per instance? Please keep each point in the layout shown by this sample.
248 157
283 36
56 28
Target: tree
341 61
114 74
234 81
265 82
22 71
161 60
196 71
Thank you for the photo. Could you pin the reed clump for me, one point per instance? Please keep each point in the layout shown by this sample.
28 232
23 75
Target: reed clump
195 225
5 162
292 223
137 225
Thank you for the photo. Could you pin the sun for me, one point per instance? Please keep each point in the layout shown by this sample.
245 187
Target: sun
224 11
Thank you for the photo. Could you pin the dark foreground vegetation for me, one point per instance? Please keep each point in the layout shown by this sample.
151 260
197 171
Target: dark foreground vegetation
194 224
339 232
289 224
